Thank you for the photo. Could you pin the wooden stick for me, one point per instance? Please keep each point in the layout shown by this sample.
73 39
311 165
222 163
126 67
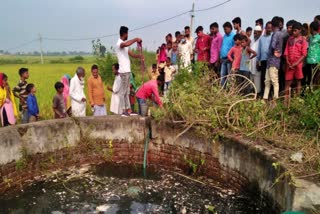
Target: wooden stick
263 127
200 182
310 175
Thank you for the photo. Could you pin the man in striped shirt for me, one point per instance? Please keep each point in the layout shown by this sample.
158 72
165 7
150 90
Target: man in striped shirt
21 93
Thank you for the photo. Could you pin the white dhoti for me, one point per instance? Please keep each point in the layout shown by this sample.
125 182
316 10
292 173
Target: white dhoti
77 95
78 108
115 98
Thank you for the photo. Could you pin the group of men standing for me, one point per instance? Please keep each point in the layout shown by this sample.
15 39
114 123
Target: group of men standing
96 91
280 59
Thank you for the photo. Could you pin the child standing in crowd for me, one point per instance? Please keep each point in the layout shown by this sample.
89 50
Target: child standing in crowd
32 104
132 98
161 77
249 32
20 92
246 55
174 56
169 70
177 37
58 103
8 110
169 48
286 33
115 99
295 52
313 52
162 54
154 73
234 54
132 94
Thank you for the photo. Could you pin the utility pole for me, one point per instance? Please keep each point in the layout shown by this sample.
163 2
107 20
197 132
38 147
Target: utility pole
41 52
192 17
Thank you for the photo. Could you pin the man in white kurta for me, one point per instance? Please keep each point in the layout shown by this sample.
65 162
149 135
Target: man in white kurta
115 106
78 98
185 51
255 74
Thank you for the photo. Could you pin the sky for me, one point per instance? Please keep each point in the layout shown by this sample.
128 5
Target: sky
22 21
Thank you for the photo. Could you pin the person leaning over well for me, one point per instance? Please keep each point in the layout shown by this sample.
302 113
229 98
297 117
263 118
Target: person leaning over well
148 90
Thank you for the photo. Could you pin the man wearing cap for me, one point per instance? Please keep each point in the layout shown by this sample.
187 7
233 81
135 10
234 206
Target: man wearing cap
203 45
185 52
255 74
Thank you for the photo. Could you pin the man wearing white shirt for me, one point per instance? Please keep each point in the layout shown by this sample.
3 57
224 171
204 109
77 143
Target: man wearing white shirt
78 98
123 53
185 52
255 74
115 100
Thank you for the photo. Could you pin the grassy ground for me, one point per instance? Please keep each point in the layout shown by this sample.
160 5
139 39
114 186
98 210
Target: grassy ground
209 110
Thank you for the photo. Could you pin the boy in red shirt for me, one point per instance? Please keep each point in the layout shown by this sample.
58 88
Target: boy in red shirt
234 54
295 53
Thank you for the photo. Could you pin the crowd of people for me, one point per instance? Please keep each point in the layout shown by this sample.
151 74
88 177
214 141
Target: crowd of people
275 58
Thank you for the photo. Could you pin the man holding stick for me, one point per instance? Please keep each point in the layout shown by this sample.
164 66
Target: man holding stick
123 53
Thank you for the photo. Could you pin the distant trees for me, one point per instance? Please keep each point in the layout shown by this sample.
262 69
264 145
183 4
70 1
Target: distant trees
98 49
48 53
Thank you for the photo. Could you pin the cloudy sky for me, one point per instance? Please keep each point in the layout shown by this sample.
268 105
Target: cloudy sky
22 21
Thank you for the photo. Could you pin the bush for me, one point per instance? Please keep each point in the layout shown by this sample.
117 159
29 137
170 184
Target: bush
197 98
12 61
57 61
307 110
197 101
105 67
76 59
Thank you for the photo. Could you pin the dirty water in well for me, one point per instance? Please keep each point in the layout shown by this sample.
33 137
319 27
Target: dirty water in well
117 189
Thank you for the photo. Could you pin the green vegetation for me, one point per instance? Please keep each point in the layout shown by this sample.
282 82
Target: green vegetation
22 162
197 101
194 166
27 60
76 59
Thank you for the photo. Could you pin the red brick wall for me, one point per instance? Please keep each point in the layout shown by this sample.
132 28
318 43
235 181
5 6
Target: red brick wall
98 151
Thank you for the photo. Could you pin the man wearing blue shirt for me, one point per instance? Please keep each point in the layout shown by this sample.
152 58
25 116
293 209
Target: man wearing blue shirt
227 44
262 53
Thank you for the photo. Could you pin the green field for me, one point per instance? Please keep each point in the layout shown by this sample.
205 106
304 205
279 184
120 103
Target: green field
18 59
